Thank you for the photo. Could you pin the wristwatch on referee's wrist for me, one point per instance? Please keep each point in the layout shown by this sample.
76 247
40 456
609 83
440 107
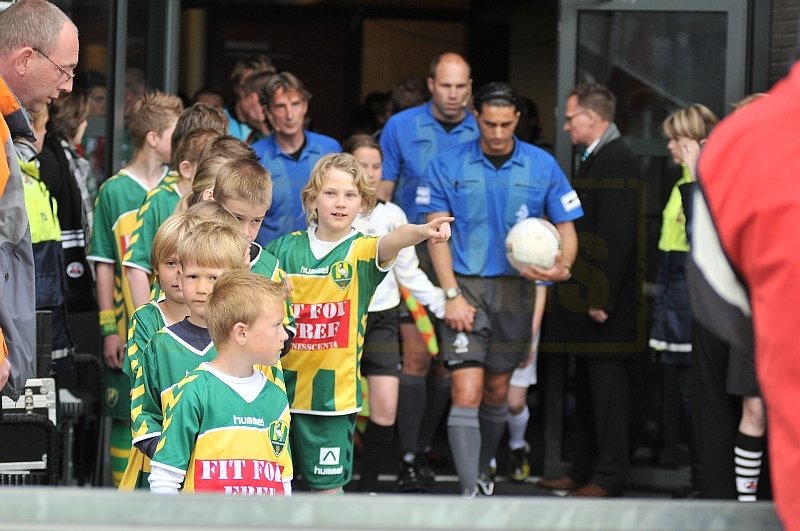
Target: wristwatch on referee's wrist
452 293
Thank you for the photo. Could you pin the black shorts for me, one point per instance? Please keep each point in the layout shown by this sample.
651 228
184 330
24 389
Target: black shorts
501 336
741 379
381 355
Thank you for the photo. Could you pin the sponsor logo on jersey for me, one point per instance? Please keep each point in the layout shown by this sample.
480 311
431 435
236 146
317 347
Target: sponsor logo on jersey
321 326
278 436
313 271
242 477
124 244
248 421
342 274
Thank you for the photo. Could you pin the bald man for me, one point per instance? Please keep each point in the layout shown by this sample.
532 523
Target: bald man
409 141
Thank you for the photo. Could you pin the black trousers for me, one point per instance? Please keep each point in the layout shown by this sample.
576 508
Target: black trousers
716 415
602 408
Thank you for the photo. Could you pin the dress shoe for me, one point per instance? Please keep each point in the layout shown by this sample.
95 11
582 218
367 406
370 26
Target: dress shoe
562 483
591 490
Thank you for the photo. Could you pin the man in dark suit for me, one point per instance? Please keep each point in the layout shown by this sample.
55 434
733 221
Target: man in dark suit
598 315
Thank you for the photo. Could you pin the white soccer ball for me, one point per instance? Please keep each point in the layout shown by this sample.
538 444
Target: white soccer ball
532 241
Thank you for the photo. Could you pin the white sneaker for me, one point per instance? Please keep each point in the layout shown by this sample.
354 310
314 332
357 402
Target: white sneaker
485 485
469 494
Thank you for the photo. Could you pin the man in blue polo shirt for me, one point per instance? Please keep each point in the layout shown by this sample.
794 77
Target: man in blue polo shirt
490 184
413 137
409 140
289 154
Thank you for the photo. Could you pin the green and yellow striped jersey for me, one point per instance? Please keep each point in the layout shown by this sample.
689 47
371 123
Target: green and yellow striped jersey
330 298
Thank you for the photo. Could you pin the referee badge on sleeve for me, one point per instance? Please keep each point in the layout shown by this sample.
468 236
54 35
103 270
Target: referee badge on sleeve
570 201
423 195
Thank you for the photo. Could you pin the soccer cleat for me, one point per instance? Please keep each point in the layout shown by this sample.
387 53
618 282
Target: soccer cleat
519 464
424 469
485 485
408 479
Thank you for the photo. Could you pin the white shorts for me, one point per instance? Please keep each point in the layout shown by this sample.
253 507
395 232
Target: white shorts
527 377
524 377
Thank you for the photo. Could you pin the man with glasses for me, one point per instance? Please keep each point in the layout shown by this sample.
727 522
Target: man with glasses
595 314
38 55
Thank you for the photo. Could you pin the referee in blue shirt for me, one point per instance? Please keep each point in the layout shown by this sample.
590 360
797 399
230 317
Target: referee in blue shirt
489 185
410 139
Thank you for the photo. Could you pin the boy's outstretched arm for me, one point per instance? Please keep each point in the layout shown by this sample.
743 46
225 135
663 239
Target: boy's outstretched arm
436 230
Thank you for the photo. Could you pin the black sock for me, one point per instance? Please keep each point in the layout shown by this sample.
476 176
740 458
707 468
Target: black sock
438 402
747 456
377 445
411 406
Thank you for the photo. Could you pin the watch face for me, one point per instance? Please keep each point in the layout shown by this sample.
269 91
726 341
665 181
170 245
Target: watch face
452 293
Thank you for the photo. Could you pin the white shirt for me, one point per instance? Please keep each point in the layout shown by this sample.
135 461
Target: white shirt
406 272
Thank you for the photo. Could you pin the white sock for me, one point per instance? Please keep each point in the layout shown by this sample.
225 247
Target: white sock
748 469
517 426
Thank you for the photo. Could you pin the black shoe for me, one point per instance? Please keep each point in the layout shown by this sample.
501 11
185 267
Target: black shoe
424 469
519 464
408 479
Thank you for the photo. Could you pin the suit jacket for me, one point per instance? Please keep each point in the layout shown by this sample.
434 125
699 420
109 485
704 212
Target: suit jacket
609 270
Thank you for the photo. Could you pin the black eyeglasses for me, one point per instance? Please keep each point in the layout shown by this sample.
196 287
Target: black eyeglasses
70 75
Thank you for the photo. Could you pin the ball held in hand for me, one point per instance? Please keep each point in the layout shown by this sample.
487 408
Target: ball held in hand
532 241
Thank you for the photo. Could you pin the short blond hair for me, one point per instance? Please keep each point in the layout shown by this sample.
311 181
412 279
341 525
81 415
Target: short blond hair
154 111
344 162
240 297
173 231
214 244
213 211
694 122
244 180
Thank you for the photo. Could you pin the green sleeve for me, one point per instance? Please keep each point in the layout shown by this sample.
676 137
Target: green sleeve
157 207
146 417
182 422
102 244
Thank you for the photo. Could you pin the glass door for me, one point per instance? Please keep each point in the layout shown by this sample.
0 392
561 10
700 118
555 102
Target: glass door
656 57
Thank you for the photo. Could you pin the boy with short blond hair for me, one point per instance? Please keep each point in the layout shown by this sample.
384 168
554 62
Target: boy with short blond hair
160 203
334 271
152 317
210 407
208 251
244 188
151 124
